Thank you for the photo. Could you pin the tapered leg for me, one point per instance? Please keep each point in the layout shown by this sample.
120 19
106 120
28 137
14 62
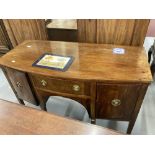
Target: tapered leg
43 106
20 101
92 104
137 108
130 126
93 121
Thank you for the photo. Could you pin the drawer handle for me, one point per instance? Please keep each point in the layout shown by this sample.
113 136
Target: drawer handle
116 102
18 84
43 82
76 87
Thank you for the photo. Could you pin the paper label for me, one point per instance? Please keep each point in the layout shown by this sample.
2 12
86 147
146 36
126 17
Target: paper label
118 50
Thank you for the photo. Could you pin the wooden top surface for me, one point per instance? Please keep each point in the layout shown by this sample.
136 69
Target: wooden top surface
92 61
70 24
18 119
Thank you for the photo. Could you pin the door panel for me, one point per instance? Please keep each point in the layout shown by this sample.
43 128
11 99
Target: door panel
116 101
21 85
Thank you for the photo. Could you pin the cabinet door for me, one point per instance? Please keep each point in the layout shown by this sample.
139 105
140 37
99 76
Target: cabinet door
21 85
116 101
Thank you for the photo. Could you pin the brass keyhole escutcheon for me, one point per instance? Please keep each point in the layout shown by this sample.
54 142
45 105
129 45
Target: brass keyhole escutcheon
116 102
76 87
43 82
18 84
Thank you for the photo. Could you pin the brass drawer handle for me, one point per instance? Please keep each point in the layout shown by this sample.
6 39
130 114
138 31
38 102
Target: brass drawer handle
43 82
116 102
18 84
76 87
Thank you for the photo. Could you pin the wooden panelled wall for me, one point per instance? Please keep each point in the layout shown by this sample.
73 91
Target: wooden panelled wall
113 31
25 29
107 31
5 44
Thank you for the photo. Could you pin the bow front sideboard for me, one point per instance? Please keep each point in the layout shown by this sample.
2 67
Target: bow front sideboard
109 85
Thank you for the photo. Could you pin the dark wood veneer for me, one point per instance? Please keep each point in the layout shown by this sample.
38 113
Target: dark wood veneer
110 86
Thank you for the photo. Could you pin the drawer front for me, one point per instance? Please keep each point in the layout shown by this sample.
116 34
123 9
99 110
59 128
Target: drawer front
21 85
59 85
116 101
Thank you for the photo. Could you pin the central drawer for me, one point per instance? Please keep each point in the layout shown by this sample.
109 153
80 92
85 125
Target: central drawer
61 85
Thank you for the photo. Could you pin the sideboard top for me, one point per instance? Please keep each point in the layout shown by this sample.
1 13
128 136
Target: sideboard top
92 61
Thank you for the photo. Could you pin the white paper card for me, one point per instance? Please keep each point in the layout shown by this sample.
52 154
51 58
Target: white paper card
118 50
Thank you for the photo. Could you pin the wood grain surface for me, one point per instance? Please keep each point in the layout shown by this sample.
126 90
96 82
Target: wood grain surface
20 30
113 31
92 61
5 44
127 94
18 120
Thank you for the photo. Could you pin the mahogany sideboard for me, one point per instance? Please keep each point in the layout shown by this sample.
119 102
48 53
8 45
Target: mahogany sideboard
110 86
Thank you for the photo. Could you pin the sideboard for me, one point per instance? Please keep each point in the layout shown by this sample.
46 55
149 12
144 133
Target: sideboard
110 86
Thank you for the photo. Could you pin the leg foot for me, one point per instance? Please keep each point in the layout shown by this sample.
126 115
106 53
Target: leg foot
93 121
130 127
20 101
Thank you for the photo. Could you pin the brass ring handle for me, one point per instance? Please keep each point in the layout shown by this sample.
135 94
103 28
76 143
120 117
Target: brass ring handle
43 82
76 87
116 102
18 84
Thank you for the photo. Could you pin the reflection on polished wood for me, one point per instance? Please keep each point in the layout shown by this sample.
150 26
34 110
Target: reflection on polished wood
63 24
92 61
62 30
17 119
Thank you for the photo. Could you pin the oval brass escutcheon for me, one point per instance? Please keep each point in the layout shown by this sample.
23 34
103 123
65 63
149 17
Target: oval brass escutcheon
43 82
116 102
76 87
18 84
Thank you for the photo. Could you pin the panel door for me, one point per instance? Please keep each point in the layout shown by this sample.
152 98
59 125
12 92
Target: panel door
21 85
116 101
